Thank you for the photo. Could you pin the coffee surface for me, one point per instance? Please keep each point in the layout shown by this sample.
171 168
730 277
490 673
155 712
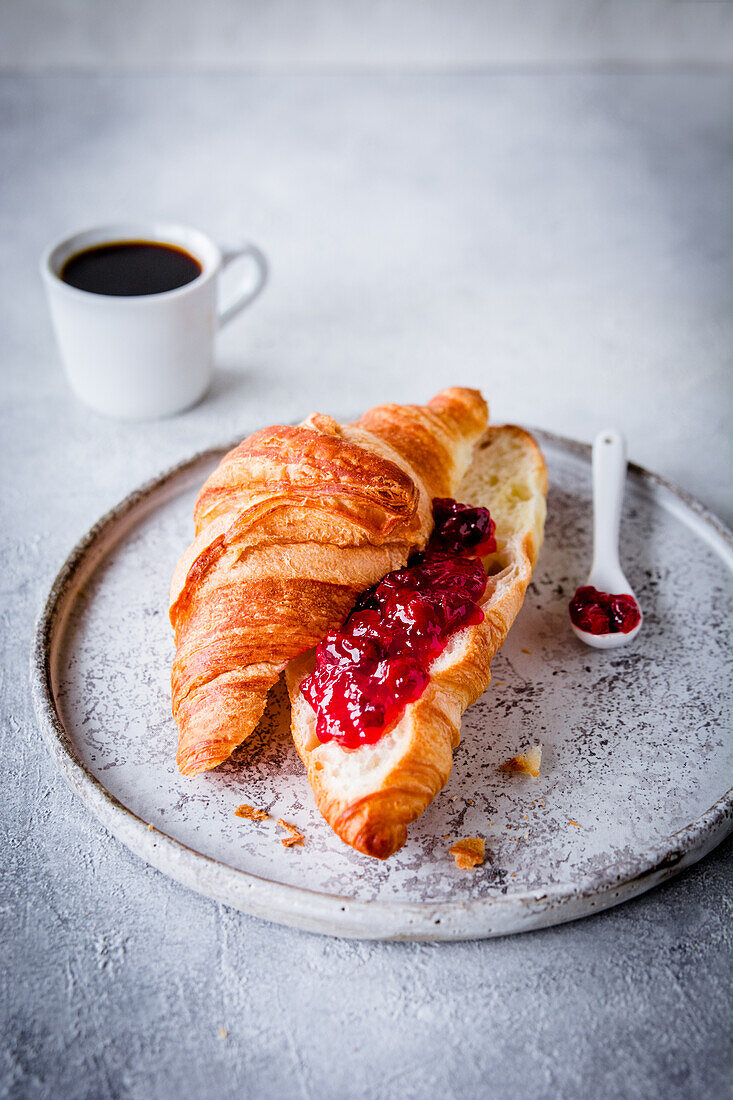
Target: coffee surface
130 268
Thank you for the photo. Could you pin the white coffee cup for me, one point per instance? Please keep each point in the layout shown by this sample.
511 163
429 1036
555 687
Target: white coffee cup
148 355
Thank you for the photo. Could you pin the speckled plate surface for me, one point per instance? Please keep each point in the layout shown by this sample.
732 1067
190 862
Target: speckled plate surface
637 752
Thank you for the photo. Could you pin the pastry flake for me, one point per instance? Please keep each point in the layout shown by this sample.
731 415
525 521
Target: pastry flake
295 837
525 763
250 813
469 852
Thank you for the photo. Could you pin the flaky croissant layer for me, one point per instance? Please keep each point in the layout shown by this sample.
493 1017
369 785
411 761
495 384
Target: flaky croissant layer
290 529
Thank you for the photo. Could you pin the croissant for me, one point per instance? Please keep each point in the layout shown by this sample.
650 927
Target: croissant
290 528
370 794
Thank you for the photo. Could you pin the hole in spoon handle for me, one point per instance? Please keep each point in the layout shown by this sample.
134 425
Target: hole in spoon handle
609 475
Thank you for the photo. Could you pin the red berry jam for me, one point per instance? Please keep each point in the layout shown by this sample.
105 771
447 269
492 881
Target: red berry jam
368 671
602 613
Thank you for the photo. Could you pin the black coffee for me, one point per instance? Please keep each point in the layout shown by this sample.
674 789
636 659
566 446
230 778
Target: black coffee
125 268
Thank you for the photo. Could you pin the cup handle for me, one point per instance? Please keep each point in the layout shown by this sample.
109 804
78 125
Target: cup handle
247 294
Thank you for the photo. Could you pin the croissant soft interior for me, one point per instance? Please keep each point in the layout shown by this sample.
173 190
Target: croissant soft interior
371 794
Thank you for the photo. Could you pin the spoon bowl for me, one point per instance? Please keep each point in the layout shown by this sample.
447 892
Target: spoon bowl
606 574
607 641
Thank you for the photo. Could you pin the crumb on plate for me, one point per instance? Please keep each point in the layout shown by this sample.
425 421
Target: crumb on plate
250 813
295 836
526 763
469 852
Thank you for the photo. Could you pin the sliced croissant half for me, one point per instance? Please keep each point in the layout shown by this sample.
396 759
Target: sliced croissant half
290 528
370 794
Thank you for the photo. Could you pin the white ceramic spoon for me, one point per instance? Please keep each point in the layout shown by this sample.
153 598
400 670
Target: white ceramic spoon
606 574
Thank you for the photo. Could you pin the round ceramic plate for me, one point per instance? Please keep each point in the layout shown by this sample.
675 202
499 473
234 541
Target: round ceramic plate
636 742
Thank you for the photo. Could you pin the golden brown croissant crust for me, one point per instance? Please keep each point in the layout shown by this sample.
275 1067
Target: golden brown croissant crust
315 465
291 527
428 435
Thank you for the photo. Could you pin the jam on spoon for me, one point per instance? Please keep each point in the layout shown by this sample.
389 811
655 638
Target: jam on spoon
602 612
370 669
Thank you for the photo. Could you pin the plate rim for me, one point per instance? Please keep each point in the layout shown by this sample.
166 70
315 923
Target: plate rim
335 914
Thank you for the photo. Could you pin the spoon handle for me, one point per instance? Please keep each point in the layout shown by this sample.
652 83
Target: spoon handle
609 474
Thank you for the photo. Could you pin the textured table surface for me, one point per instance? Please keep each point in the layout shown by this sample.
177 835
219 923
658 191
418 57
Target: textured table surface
562 241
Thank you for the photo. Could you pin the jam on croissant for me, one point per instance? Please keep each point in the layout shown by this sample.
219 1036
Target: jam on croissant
370 669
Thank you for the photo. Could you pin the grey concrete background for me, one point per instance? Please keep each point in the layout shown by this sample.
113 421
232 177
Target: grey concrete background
191 35
562 240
